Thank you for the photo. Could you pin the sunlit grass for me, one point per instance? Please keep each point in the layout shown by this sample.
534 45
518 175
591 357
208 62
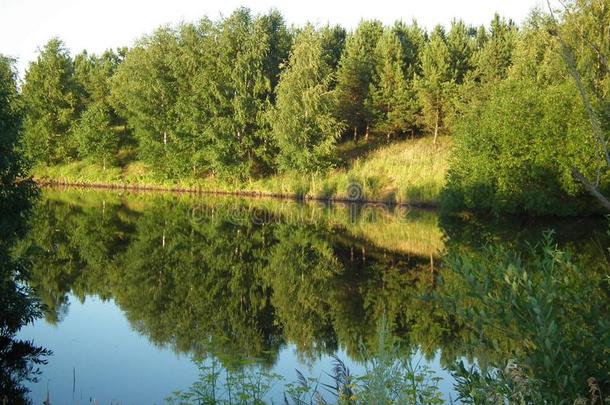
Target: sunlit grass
408 171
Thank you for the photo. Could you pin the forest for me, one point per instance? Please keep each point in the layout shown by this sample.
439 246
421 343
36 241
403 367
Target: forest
515 117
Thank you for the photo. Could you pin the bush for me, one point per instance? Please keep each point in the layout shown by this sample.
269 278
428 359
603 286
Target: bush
515 152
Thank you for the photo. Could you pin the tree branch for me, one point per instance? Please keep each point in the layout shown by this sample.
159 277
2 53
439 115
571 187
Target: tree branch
591 188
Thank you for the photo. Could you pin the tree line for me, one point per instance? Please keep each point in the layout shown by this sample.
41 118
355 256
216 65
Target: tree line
248 96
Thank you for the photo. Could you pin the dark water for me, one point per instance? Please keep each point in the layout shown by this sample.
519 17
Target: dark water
138 289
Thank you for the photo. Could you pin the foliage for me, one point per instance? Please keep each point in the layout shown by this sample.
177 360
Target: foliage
51 105
354 76
538 307
513 164
244 99
302 122
19 359
195 95
96 137
390 97
435 85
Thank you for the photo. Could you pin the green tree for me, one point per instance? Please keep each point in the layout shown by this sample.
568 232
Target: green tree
144 90
303 123
460 41
251 50
93 73
12 164
495 57
333 42
96 137
354 76
390 99
513 164
413 40
51 101
435 86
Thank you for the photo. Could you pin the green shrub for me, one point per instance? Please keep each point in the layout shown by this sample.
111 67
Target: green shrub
515 152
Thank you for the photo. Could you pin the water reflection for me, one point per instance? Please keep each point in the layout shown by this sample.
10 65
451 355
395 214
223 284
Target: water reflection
19 359
238 279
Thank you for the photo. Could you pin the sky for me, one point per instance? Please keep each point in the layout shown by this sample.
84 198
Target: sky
96 25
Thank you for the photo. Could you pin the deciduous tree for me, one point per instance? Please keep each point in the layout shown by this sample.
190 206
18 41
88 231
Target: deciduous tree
303 123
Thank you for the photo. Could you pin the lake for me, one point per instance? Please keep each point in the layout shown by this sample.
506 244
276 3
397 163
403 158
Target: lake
143 294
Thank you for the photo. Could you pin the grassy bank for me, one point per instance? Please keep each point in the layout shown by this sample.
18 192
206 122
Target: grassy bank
408 171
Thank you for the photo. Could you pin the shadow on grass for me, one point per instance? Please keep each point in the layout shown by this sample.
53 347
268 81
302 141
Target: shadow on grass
348 150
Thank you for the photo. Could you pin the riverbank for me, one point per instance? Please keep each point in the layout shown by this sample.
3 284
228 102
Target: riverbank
403 172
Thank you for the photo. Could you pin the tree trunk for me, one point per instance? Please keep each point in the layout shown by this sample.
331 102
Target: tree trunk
355 134
164 139
591 188
436 127
366 134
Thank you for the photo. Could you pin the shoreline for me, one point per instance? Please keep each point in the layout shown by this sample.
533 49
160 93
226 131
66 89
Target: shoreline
237 193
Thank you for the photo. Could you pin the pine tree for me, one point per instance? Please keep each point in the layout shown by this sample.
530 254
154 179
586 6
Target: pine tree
392 104
51 99
303 123
354 76
412 40
460 42
435 85
333 42
495 57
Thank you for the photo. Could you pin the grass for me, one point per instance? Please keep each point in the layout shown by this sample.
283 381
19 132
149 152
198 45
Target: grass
407 171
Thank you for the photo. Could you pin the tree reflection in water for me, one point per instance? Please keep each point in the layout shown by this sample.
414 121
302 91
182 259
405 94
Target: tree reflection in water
237 280
19 360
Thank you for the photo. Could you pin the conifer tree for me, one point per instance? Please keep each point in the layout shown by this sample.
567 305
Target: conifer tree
392 104
333 42
412 40
435 85
495 57
354 76
461 47
51 99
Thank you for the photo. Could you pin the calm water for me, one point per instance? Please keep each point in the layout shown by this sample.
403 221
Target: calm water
138 289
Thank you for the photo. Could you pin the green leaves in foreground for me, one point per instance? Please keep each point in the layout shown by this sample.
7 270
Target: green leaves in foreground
546 309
